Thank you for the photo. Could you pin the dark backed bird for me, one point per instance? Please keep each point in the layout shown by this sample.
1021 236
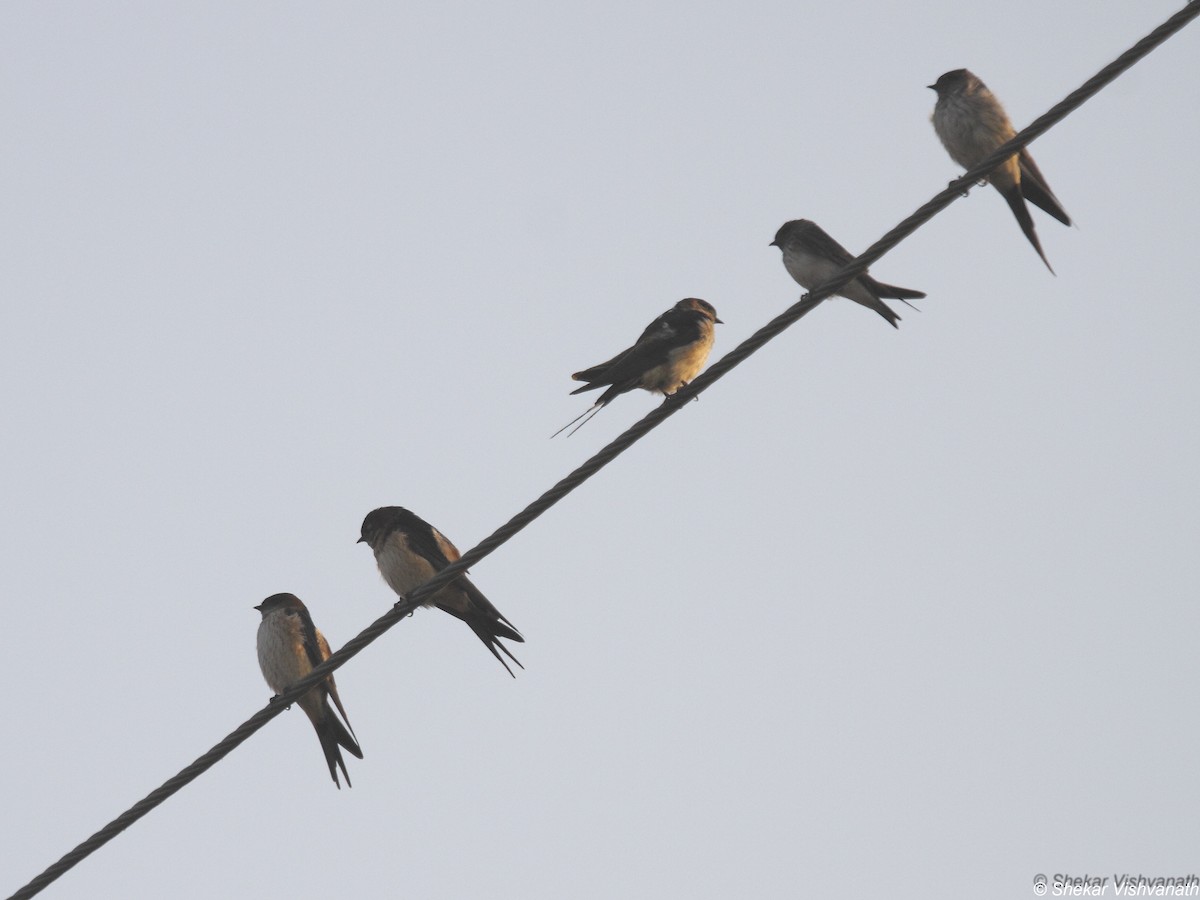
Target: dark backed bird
812 257
409 551
289 647
670 352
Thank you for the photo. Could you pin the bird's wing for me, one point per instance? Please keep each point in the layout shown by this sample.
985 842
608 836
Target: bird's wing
1037 191
653 348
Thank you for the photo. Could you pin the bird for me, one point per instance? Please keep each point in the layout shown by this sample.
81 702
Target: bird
289 647
812 257
972 124
409 551
670 353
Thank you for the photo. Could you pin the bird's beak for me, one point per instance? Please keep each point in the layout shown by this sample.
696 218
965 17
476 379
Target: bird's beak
773 244
717 321
259 607
932 87
360 540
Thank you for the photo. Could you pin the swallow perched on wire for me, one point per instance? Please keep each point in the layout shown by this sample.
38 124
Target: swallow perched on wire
289 647
812 257
972 124
410 551
670 353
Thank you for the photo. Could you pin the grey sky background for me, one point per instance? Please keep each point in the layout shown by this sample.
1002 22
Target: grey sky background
895 614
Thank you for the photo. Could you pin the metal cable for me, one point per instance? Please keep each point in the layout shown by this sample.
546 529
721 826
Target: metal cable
651 420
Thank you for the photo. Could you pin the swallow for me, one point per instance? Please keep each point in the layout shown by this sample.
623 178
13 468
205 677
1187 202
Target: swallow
972 124
409 551
289 647
670 353
812 257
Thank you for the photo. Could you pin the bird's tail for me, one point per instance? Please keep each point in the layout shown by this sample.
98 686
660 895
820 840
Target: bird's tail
1016 202
883 309
592 376
485 620
491 639
333 736
878 289
897 293
585 415
890 314
1037 192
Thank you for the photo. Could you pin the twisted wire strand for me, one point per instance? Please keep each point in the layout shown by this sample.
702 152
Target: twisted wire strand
608 453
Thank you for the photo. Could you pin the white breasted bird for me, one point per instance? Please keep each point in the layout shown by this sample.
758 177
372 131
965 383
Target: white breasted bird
972 125
812 257
289 647
409 551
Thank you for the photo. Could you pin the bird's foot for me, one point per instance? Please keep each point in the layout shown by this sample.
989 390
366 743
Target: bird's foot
674 397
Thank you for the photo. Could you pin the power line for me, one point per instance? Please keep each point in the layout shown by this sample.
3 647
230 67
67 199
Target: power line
607 454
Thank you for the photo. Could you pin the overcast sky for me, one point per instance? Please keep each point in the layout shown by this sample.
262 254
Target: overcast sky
884 614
